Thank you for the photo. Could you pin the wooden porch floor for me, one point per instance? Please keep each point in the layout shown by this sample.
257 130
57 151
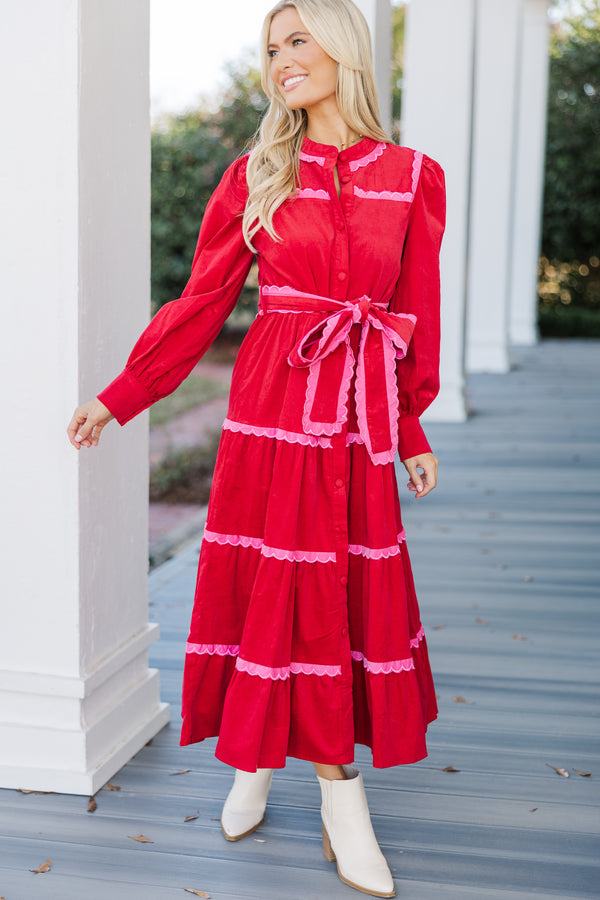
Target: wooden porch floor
506 556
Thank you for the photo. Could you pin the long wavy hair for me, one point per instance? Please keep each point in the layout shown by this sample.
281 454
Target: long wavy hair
341 30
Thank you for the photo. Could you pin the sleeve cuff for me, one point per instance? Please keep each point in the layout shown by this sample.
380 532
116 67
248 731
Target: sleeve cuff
125 397
411 437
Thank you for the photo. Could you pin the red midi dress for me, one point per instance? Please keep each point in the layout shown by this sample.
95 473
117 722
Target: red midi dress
305 635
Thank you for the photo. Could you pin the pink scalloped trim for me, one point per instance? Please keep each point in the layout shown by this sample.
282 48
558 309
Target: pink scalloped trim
377 553
320 160
276 290
213 649
328 428
241 540
278 434
369 158
299 555
298 668
407 197
283 672
353 438
416 170
383 668
414 642
311 193
389 357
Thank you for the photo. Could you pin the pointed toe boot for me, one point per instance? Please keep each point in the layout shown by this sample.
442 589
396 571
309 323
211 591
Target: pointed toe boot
244 808
348 836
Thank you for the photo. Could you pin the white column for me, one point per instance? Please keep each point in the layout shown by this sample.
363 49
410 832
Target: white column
497 58
77 698
378 14
436 118
529 180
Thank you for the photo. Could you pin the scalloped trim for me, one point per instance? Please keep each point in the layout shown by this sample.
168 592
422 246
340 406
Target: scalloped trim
213 649
278 434
369 158
328 428
241 540
283 672
353 438
320 160
414 642
378 553
383 668
406 197
416 170
311 193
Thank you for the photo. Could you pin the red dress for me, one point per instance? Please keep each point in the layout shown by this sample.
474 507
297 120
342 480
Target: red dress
305 635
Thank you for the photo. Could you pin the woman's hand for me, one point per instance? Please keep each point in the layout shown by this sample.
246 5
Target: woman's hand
87 423
421 483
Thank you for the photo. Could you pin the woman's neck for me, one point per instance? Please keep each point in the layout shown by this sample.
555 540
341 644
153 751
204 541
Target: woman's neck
328 127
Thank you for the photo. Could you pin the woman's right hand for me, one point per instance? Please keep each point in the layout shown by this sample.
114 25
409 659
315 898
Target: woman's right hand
87 423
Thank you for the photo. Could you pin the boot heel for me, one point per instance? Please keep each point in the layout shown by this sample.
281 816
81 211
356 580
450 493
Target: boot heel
327 848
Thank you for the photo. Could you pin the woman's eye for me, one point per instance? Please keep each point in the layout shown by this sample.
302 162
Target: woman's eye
297 41
271 53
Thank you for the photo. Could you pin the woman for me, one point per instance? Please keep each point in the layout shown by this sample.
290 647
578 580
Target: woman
305 636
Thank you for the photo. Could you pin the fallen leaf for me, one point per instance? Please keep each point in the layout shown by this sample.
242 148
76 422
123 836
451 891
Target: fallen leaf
437 696
45 867
481 621
579 772
181 772
528 578
92 805
449 769
461 700
562 772
140 838
534 809
191 818
197 893
23 791
438 627
114 787
519 637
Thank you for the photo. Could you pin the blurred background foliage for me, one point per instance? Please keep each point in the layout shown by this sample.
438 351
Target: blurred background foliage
569 273
190 153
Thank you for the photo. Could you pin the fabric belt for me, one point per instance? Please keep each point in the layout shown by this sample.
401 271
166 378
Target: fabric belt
327 353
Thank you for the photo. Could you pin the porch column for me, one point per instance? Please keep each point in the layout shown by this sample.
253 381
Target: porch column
495 119
529 180
77 698
378 14
436 118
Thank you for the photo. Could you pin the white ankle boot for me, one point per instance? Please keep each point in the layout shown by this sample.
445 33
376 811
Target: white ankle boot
348 836
244 808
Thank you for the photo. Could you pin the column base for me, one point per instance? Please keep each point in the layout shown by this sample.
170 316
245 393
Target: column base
71 735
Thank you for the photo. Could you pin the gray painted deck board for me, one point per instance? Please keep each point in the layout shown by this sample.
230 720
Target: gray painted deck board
511 536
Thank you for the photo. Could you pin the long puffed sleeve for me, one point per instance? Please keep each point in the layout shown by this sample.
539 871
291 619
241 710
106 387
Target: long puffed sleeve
183 329
418 292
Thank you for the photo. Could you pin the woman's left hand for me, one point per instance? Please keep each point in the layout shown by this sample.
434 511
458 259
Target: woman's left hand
422 483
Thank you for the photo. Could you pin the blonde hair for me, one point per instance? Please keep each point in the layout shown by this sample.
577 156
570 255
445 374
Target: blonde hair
341 30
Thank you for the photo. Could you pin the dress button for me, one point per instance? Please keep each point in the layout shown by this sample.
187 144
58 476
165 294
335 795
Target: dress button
339 482
343 580
344 631
341 276
341 226
345 179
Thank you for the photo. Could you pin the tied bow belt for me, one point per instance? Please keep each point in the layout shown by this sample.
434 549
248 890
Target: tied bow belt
327 353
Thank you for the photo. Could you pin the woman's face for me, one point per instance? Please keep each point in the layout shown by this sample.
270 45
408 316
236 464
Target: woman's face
302 71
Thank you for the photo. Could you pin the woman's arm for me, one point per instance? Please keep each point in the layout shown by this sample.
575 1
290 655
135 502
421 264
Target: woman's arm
418 293
183 329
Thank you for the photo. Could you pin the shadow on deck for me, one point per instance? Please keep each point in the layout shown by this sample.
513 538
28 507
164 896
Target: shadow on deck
506 558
